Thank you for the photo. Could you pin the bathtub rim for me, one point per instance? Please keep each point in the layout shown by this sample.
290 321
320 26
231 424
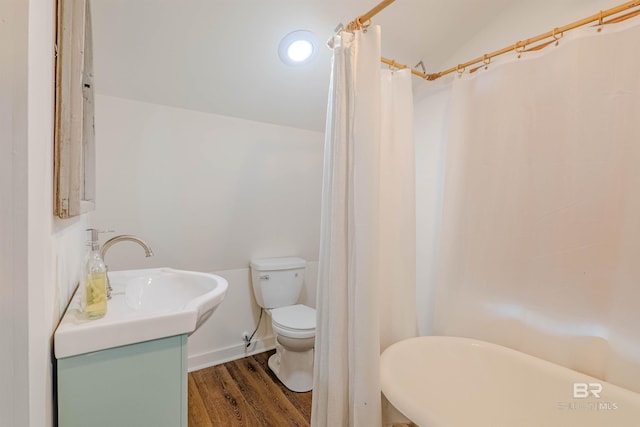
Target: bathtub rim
391 390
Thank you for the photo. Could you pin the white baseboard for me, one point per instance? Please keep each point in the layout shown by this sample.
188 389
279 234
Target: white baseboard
235 352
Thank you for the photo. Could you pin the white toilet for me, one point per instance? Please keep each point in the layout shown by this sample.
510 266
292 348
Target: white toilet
277 283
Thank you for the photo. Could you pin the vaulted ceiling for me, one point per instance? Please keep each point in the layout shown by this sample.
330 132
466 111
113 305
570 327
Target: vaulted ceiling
221 56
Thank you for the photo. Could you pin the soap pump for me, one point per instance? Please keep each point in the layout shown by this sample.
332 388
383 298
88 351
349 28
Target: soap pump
94 295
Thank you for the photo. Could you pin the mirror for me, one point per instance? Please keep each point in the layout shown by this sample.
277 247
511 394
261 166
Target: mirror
74 140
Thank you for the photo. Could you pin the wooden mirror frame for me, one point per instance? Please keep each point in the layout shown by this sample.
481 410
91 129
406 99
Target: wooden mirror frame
74 139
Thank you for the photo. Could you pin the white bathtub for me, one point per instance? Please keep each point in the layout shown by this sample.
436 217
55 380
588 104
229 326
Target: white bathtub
460 382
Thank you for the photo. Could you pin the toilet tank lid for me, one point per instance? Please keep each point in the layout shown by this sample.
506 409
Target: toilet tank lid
284 263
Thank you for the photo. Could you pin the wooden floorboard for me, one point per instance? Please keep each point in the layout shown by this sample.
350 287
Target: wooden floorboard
245 392
302 401
197 410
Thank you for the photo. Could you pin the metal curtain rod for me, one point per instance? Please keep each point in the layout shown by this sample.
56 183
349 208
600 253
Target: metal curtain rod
362 22
397 66
556 33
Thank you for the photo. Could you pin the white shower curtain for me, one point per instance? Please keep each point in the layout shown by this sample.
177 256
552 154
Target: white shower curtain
541 217
366 278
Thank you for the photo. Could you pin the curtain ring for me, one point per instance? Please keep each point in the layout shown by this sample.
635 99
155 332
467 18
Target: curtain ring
519 48
556 37
600 22
363 25
486 60
555 34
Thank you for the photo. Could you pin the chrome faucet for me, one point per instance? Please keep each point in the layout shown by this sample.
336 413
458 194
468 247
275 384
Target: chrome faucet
125 238
122 238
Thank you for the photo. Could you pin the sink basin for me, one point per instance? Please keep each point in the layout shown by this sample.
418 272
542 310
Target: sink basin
166 289
145 305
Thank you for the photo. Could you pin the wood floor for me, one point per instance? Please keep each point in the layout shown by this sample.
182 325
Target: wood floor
244 393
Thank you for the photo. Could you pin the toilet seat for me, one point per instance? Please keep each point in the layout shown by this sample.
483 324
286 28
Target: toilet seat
294 321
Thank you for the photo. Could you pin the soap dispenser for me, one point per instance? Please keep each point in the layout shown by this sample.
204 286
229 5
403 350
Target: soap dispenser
94 295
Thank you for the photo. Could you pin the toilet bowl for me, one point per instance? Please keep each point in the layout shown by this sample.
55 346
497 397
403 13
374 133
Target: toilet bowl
294 328
277 283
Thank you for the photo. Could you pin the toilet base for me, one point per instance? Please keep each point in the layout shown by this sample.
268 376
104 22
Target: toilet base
293 368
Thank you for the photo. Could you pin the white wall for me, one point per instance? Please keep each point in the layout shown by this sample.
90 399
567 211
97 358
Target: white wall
208 193
218 340
14 391
56 247
40 256
41 289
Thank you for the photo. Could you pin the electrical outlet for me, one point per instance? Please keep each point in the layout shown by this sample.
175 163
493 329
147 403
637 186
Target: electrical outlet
245 337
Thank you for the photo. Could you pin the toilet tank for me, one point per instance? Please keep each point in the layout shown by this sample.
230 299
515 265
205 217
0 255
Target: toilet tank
277 282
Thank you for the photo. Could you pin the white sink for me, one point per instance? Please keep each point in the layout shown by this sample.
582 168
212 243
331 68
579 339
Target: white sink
145 305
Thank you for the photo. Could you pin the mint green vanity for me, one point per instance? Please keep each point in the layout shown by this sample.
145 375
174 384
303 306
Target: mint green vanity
137 385
129 368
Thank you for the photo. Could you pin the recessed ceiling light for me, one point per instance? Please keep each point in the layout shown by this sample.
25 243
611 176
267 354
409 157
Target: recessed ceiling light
300 50
298 47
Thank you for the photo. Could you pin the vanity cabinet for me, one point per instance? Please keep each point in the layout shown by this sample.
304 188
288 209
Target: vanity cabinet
137 385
